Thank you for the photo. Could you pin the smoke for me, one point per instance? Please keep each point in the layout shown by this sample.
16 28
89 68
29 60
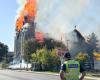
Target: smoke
21 4
97 31
56 16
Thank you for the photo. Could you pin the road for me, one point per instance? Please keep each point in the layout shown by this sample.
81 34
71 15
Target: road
24 75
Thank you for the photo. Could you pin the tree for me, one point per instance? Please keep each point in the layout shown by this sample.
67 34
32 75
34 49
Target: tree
29 48
92 43
49 43
41 57
3 51
91 47
47 60
81 56
41 52
54 62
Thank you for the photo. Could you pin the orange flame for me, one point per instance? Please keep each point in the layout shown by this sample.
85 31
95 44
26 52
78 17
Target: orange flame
29 11
20 20
19 23
30 8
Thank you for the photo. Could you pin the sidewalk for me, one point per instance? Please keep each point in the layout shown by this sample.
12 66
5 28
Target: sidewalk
92 78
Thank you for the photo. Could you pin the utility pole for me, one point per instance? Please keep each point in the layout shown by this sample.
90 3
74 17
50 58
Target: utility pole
67 43
61 57
21 48
25 27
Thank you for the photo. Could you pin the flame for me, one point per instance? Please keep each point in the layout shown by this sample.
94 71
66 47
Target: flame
19 22
29 10
39 36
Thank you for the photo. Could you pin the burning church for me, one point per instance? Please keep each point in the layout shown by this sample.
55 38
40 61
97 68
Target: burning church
25 27
77 42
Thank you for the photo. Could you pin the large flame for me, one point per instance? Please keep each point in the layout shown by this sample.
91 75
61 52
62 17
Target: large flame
20 21
29 10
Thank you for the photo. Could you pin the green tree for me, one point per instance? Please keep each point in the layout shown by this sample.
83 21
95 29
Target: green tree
48 60
92 43
91 47
3 51
54 62
51 43
42 53
81 56
29 48
41 57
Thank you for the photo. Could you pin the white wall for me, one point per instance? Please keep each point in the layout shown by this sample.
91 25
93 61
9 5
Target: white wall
96 65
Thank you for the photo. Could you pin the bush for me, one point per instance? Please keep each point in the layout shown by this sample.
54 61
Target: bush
81 56
4 65
48 60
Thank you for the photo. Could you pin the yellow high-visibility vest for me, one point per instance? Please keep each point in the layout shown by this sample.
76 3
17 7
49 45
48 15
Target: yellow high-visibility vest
72 70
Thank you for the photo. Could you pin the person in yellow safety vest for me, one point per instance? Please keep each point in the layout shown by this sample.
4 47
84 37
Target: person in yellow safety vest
71 69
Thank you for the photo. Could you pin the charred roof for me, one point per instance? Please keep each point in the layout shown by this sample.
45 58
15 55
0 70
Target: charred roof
79 35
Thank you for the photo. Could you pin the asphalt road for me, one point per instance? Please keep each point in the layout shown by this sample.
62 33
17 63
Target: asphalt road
24 75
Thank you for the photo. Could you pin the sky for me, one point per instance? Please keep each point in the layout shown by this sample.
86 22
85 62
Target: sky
53 16
7 22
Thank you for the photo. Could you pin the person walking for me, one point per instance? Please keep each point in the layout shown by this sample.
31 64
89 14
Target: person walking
71 69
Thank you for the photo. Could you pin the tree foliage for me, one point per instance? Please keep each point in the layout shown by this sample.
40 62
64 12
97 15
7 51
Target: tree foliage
31 46
43 54
91 47
81 56
3 51
92 43
48 59
51 43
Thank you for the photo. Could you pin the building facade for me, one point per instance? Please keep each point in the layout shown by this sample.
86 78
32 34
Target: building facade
27 32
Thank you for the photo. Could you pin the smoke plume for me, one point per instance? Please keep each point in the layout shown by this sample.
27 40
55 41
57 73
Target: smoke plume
56 16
